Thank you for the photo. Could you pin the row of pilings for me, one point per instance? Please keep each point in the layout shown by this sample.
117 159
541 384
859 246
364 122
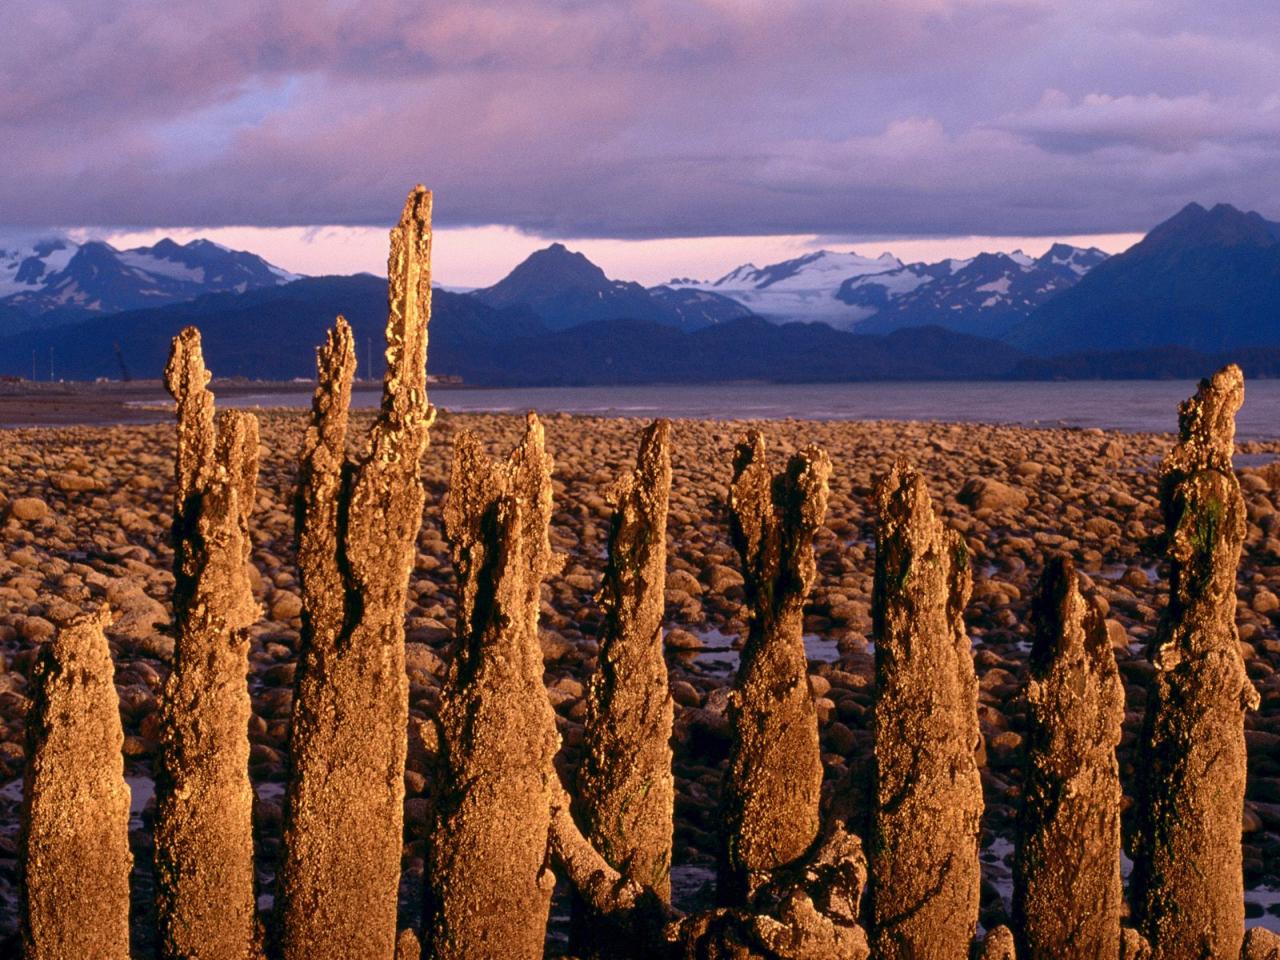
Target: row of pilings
793 883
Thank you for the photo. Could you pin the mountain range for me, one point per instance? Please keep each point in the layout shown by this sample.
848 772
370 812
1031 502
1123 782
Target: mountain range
1203 285
59 281
986 295
271 333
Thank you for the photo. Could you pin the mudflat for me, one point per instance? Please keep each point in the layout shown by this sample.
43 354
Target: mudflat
29 403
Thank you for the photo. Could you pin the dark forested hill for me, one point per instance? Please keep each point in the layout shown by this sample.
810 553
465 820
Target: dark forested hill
272 334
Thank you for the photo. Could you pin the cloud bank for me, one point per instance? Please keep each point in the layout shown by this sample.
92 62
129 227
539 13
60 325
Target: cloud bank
640 118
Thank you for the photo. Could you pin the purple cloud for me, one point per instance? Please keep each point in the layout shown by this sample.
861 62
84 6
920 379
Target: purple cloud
641 119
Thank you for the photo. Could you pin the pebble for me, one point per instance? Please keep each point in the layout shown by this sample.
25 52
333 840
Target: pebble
28 508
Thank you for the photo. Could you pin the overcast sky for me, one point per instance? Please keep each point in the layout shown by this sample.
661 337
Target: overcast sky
773 125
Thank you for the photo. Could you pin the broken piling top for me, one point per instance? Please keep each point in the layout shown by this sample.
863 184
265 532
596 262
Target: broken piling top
909 533
774 519
1058 613
1074 689
1205 521
637 537
331 401
320 484
187 380
386 495
1074 678
216 473
529 472
74 845
1207 426
476 485
404 385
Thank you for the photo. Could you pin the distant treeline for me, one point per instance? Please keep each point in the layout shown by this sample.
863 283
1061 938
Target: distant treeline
269 334
1156 363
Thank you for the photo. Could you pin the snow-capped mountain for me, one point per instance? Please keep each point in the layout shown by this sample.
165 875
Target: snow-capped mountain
698 308
799 289
57 275
987 294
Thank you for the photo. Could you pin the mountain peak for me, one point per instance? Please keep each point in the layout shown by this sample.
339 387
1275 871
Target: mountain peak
545 273
1206 279
1224 225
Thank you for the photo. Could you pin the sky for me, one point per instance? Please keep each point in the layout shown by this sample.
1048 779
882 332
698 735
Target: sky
660 137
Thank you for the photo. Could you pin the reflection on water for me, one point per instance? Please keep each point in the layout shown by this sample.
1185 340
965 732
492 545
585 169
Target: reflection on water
720 655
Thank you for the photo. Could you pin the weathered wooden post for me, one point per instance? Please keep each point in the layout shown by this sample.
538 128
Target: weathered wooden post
206 906
488 878
928 794
1188 876
1067 897
626 792
357 527
773 783
73 849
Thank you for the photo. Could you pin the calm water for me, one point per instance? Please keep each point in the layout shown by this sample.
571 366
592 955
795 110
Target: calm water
1143 405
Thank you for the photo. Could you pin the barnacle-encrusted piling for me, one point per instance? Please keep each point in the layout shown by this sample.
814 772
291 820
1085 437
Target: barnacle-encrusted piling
1067 897
1188 875
999 944
805 911
357 527
626 792
927 792
773 782
488 878
206 906
74 854
1261 944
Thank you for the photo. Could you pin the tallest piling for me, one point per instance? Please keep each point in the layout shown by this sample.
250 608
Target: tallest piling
357 527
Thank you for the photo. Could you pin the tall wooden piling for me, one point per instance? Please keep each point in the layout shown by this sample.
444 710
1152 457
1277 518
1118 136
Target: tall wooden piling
206 904
1188 876
928 795
1069 834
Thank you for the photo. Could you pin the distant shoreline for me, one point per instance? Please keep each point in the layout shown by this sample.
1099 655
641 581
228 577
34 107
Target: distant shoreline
1129 406
28 403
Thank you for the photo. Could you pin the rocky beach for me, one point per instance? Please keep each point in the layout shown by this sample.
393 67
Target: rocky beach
86 520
